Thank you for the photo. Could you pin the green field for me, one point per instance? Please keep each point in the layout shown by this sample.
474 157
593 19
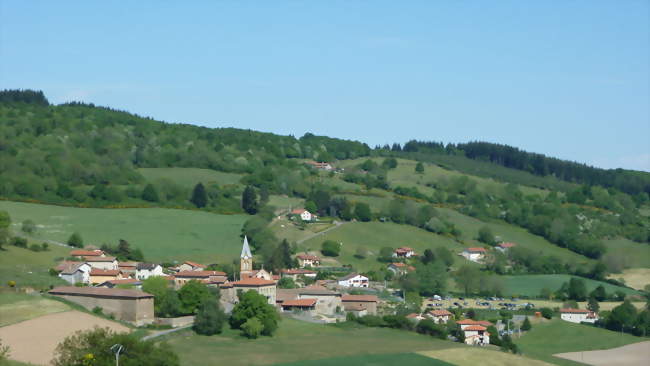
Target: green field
162 234
375 235
286 229
285 202
189 177
635 255
531 285
29 268
298 341
16 307
557 336
411 359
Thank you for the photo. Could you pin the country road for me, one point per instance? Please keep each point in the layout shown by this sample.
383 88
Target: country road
337 224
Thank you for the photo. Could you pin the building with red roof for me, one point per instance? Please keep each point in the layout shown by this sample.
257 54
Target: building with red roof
474 254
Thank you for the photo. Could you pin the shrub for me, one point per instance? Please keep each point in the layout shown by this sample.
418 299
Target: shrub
330 248
53 272
76 240
210 318
28 226
526 325
35 248
11 283
547 313
98 310
252 328
19 242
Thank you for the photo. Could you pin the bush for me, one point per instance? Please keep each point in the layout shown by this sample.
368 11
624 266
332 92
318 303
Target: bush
210 318
98 310
371 321
76 240
526 325
286 282
53 272
547 313
28 226
19 242
252 328
35 248
330 248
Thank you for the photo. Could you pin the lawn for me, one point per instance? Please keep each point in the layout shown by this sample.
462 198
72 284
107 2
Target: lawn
482 356
162 234
286 229
30 269
532 285
411 359
634 254
16 307
373 236
298 341
285 202
189 177
556 336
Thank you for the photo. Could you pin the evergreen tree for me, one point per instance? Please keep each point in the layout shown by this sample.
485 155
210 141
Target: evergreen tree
199 196
249 200
526 325
210 318
428 256
285 253
149 193
592 304
419 168
577 289
362 212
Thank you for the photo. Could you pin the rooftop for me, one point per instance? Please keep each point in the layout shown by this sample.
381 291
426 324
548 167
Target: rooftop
475 250
84 253
104 272
575 311
359 298
99 259
100 292
253 282
199 274
299 302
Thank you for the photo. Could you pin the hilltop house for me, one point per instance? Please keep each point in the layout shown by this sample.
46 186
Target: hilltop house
415 317
308 260
400 268
74 272
102 275
440 316
353 280
304 214
474 254
578 315
190 266
107 263
356 303
295 273
503 247
82 253
403 252
146 270
469 322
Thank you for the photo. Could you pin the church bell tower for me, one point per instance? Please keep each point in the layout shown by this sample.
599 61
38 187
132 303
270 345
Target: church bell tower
245 261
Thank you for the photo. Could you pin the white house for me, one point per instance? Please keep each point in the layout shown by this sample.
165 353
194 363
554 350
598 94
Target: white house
146 270
106 263
503 247
304 214
353 280
578 315
470 322
75 272
476 335
400 268
308 260
440 316
474 254
321 166
404 252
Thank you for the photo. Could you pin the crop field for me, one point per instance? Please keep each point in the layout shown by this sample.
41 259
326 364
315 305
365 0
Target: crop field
637 278
634 255
532 285
557 336
17 307
411 359
298 341
189 177
482 356
29 268
162 234
631 354
372 236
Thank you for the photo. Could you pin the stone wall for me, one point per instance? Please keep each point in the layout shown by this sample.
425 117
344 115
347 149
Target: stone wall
137 311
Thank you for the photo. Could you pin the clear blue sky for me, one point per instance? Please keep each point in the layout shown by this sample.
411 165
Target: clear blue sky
565 78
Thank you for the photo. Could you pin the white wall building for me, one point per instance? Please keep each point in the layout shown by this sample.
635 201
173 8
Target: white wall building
353 280
474 254
75 273
578 315
146 270
106 263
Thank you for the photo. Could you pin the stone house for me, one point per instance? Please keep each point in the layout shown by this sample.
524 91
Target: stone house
74 272
261 286
190 266
102 275
476 335
474 254
107 263
404 252
440 316
207 277
353 302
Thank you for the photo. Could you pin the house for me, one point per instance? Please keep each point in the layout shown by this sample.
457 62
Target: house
190 266
321 166
474 254
304 214
328 302
306 305
263 287
476 335
107 263
403 252
308 260
102 275
400 268
295 273
260 273
355 302
440 316
131 282
353 280
127 268
208 277
74 272
415 317
124 304
503 247
578 315
146 270
81 253
469 322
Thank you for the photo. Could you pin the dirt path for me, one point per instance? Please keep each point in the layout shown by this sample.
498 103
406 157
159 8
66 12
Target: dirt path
35 340
337 224
630 355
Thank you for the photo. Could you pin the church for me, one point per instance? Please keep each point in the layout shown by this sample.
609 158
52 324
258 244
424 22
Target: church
246 266
260 281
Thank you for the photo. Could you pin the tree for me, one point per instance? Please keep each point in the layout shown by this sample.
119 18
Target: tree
249 200
385 254
169 304
622 317
28 226
252 328
192 295
599 293
330 248
95 344
210 318
577 289
157 286
485 236
362 212
419 168
547 313
592 304
286 282
467 277
123 249
445 256
76 240
253 305
199 196
310 206
428 257
149 193
389 163
526 325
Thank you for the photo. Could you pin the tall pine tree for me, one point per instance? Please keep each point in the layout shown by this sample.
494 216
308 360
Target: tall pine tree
249 200
199 197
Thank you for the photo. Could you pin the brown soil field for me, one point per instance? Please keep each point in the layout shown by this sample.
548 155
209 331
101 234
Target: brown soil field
35 340
630 355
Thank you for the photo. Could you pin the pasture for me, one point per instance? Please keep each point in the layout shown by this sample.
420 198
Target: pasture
532 285
411 359
632 254
557 336
637 278
482 356
30 269
162 234
298 341
16 307
189 177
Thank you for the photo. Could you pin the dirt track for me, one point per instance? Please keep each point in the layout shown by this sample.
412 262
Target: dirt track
35 340
630 355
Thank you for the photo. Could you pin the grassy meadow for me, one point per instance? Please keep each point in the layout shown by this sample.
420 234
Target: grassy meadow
16 307
532 285
162 234
30 269
411 359
298 341
189 177
557 336
490 356
634 255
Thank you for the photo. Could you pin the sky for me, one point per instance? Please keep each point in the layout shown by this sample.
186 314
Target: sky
569 79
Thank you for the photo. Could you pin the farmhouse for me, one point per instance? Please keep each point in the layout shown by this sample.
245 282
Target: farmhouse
353 280
503 247
404 252
208 277
308 260
190 266
295 273
263 287
440 316
129 305
74 272
102 275
81 253
306 305
476 335
400 268
474 254
355 302
469 322
578 315
107 263
328 301
321 166
146 270
304 214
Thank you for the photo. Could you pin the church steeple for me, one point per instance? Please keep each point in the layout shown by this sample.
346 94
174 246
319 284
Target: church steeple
245 250
246 260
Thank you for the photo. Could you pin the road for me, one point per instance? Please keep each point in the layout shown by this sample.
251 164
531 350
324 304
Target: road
336 226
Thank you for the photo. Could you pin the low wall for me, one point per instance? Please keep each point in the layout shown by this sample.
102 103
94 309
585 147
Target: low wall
176 322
